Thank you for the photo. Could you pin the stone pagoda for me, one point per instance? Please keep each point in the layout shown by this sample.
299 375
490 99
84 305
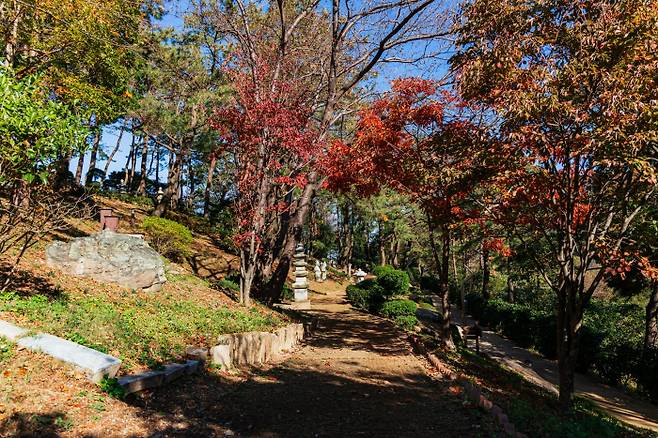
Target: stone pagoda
300 286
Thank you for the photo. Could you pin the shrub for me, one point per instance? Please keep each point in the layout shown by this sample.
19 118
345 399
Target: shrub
358 296
407 322
287 293
395 308
228 284
169 238
367 295
394 281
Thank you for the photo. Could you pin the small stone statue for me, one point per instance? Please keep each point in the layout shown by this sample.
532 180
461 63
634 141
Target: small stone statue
159 196
317 271
360 275
323 270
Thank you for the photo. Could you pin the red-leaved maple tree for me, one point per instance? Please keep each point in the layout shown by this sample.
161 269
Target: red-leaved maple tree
267 129
417 140
574 89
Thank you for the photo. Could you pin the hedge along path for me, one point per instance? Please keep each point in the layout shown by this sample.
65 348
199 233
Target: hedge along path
355 376
544 373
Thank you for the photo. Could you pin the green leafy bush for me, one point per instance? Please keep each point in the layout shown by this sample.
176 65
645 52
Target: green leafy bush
228 284
367 295
395 308
406 322
394 281
169 238
6 349
287 293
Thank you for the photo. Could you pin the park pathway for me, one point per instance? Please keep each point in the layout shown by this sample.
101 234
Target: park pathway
544 373
356 376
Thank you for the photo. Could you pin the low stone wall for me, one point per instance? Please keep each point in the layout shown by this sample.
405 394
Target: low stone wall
471 390
254 348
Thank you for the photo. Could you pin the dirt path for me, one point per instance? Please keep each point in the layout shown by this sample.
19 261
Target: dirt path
544 373
356 376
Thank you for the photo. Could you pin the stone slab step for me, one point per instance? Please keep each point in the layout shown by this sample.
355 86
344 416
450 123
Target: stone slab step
153 379
93 363
11 332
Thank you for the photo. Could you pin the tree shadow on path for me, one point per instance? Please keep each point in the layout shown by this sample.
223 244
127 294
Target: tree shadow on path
355 377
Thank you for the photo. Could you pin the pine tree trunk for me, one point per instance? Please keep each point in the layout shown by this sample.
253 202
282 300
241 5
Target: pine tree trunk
171 194
78 171
208 189
157 165
141 190
129 160
651 326
92 159
133 165
116 148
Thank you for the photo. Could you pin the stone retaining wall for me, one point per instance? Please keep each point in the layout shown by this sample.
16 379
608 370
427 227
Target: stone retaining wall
255 348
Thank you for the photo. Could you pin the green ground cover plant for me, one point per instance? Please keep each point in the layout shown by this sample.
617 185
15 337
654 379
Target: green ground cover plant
141 331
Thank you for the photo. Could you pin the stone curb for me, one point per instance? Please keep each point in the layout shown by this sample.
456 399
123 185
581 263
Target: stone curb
94 364
253 348
472 391
153 379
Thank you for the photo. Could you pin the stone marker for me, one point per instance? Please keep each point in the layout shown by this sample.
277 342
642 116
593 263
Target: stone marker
93 363
323 270
140 382
300 286
110 257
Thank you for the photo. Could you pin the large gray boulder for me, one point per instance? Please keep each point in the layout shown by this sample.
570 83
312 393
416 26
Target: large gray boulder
110 257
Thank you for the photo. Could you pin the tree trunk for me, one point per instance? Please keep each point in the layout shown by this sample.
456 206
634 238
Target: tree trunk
568 330
511 288
116 148
651 330
209 180
133 165
486 274
170 197
141 190
129 160
92 159
347 237
62 171
12 39
78 171
157 165
442 265
286 238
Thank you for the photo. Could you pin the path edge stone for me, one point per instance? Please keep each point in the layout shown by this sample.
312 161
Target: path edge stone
472 391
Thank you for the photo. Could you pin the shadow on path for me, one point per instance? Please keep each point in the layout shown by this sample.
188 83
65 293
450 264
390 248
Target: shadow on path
355 377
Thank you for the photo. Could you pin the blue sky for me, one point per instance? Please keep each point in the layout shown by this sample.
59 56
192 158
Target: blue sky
173 18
